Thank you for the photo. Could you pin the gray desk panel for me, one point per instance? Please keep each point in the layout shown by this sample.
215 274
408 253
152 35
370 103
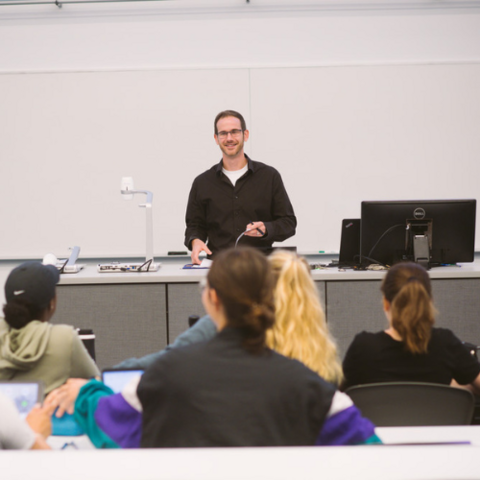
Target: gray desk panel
356 306
352 307
458 305
184 299
321 287
128 320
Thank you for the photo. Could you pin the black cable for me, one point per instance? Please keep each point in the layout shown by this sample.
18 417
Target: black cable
145 263
373 260
379 240
62 269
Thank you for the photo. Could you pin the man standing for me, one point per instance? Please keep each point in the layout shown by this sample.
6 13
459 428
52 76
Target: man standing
238 195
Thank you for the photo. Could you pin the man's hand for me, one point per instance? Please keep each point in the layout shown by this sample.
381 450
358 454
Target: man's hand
256 229
64 397
197 247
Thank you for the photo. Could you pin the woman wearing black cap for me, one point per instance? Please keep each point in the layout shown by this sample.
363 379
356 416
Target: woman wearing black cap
30 347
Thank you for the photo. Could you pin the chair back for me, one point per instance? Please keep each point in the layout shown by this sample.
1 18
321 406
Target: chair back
88 338
397 404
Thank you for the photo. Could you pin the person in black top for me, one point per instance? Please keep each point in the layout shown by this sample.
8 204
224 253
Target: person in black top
236 195
411 349
233 390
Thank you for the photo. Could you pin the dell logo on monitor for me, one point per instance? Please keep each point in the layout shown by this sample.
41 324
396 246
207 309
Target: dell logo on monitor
419 213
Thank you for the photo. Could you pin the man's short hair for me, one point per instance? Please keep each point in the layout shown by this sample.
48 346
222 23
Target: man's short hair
229 113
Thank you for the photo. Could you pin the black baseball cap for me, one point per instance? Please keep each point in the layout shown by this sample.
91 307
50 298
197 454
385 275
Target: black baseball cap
32 282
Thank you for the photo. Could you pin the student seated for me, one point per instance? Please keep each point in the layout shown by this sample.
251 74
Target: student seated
31 348
410 349
300 331
233 390
16 434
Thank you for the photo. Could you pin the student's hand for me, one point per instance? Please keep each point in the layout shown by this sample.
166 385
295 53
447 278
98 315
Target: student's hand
256 229
64 397
40 420
197 247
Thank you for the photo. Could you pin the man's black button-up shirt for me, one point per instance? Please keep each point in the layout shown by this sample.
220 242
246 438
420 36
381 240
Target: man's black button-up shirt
217 212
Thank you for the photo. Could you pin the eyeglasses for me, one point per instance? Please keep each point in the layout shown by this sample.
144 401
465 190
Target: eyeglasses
234 133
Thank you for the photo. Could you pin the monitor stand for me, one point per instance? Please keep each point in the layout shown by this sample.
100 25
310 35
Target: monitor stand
421 250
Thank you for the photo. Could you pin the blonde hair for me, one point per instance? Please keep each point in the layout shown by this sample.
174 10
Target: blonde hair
300 330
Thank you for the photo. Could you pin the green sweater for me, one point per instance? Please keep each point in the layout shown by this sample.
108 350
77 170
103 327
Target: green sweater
42 351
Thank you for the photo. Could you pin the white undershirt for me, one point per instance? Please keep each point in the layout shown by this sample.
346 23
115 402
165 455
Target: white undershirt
234 175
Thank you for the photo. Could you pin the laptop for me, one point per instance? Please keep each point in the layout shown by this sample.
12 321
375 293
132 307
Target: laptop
350 242
24 394
117 379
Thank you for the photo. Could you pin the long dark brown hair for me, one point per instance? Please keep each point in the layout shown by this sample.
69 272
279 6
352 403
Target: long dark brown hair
244 283
408 289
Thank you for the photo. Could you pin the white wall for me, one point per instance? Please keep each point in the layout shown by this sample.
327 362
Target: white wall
332 92
234 33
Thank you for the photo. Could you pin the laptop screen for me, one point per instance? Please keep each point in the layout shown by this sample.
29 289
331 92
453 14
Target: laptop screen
117 379
23 394
350 242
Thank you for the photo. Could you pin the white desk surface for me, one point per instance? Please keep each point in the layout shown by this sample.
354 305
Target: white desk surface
392 435
171 271
389 435
363 462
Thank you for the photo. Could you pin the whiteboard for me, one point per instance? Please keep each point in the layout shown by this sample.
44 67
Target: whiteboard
338 135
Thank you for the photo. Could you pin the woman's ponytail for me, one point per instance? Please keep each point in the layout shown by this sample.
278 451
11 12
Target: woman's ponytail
407 287
243 281
413 316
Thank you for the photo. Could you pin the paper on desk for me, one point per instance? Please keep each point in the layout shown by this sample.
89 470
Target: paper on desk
206 263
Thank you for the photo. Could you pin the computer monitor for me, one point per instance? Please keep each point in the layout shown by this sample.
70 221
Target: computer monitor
430 232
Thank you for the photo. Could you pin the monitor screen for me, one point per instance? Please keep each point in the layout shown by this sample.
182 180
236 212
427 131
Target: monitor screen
117 379
349 242
389 230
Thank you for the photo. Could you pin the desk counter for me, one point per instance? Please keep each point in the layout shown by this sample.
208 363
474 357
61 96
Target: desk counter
172 271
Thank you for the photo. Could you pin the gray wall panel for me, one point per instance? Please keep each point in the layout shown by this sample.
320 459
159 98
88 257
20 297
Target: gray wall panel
352 307
321 287
184 299
128 320
131 320
458 305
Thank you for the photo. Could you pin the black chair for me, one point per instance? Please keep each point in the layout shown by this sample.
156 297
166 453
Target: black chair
192 320
397 404
474 349
88 338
